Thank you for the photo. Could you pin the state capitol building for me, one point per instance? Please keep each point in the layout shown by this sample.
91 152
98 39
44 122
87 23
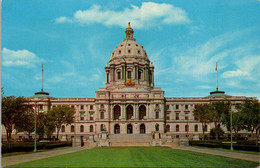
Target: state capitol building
130 110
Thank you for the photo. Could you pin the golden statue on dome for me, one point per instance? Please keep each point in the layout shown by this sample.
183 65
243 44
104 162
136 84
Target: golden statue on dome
130 82
129 26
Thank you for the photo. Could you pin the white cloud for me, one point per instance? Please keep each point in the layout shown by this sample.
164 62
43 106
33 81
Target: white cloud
149 14
22 58
201 59
63 20
237 73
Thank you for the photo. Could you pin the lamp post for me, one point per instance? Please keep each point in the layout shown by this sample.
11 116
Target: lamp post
231 144
35 148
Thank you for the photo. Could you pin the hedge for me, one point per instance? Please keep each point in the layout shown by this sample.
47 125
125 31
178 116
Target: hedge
29 146
240 145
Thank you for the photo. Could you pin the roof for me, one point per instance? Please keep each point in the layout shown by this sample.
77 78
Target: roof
40 94
217 93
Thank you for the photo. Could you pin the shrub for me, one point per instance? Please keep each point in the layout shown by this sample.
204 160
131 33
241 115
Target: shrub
240 145
216 131
29 146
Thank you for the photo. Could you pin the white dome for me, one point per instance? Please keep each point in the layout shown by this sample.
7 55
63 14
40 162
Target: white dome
129 50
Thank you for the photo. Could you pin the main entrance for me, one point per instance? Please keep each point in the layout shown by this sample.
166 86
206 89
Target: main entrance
129 129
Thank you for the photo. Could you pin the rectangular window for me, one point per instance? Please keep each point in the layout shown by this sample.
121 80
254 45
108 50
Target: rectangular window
177 116
91 107
167 116
81 116
186 117
177 106
41 107
101 115
91 115
186 128
186 107
81 107
157 115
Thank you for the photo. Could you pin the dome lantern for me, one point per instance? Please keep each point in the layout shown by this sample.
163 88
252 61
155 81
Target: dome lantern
129 33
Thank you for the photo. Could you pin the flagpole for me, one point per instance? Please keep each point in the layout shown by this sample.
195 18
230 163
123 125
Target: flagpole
217 75
42 77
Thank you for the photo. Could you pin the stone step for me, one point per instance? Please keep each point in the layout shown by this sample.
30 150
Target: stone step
130 138
115 144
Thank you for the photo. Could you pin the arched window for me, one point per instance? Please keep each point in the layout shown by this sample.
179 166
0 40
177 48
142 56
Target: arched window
129 129
63 128
196 128
139 75
177 128
117 129
118 75
117 112
72 128
81 128
186 128
91 128
168 128
107 77
129 74
142 129
157 127
142 112
129 112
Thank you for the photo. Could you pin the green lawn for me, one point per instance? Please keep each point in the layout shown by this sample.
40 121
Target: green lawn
137 157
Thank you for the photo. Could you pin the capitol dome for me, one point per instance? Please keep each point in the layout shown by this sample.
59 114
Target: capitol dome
129 48
129 65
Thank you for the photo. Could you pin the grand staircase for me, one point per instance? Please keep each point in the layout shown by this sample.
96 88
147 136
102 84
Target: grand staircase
130 139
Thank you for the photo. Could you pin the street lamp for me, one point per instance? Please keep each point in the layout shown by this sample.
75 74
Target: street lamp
231 144
35 148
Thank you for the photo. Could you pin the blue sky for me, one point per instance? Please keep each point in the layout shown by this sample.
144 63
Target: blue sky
183 38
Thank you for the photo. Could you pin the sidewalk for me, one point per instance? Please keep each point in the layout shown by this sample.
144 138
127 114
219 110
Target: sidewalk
12 160
235 155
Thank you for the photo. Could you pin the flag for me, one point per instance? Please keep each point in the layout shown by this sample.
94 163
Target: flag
216 66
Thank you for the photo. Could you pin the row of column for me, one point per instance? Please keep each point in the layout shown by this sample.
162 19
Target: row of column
148 73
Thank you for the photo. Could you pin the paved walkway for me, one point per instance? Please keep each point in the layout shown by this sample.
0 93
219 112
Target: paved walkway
12 160
17 159
235 155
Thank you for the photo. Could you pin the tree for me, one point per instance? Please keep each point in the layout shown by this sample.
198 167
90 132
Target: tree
218 111
13 109
237 122
202 114
250 111
41 121
49 124
26 122
61 115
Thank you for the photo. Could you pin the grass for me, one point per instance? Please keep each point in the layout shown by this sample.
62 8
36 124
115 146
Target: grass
137 157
